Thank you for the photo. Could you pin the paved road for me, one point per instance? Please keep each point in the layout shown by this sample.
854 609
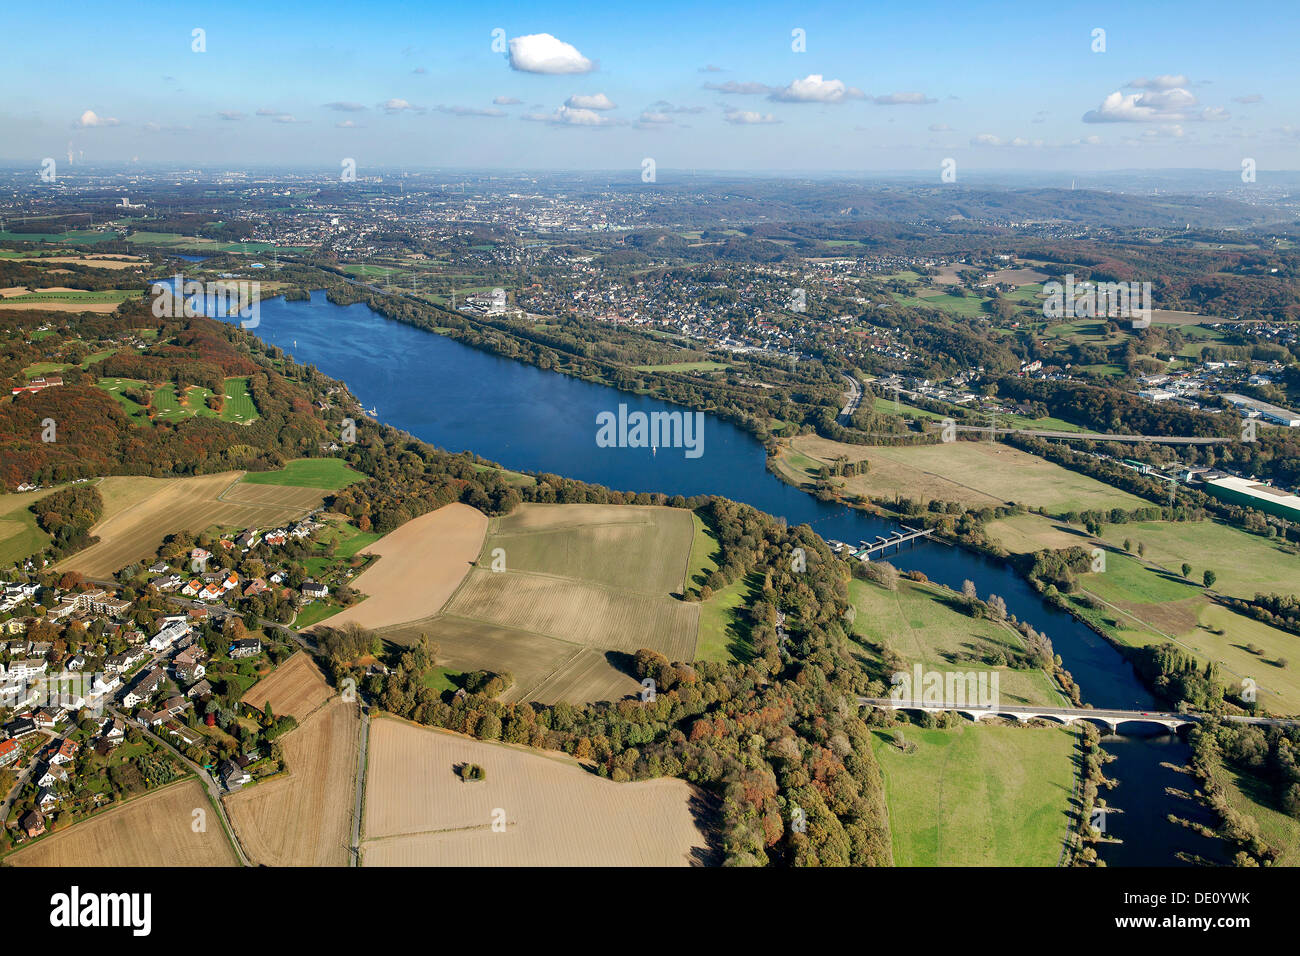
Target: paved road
852 399
23 778
1091 436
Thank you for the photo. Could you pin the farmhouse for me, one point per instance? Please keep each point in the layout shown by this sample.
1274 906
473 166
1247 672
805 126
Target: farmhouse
233 776
36 384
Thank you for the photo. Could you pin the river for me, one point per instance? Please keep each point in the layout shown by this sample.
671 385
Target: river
527 419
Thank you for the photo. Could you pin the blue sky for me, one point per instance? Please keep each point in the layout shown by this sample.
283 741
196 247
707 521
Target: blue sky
894 87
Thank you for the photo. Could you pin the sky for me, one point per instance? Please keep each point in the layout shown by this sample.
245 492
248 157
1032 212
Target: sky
752 86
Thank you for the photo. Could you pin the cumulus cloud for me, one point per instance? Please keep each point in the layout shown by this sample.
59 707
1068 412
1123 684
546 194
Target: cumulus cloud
469 111
506 101
90 119
749 117
543 53
231 115
1167 105
663 106
814 88
903 99
595 101
649 118
742 89
345 106
346 124
568 116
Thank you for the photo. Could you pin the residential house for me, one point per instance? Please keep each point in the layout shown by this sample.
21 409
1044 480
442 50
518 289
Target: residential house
233 776
20 727
199 690
314 589
33 823
168 636
188 665
46 800
249 647
65 752
10 752
146 685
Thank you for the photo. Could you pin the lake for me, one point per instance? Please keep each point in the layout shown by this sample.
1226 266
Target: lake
527 419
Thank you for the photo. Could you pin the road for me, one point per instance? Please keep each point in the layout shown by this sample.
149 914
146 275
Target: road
1109 715
852 399
1090 436
23 778
214 790
361 786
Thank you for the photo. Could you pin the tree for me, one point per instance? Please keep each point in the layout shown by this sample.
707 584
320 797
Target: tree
1209 577
1187 569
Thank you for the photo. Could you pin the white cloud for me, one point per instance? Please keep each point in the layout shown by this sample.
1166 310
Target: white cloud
90 118
231 115
814 88
396 105
345 107
1164 82
543 53
506 101
568 116
742 89
469 111
1152 107
346 124
749 117
940 128
654 119
903 99
596 101
1019 142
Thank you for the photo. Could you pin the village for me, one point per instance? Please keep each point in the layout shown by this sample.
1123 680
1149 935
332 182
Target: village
107 692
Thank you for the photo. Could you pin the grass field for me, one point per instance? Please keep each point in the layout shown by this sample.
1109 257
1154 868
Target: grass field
20 537
328 474
1244 563
974 473
149 509
553 813
1146 606
305 817
921 624
420 565
238 405
153 830
978 795
1247 795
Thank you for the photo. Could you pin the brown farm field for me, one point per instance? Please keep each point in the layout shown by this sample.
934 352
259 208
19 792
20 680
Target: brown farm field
974 473
583 588
579 612
624 546
296 687
420 565
555 813
153 830
140 512
304 818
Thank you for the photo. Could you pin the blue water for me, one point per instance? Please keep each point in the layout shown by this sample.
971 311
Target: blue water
527 419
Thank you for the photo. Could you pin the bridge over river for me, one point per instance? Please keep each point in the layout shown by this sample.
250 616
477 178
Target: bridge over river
1068 715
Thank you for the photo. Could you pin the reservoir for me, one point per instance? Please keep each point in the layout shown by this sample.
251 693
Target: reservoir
528 419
